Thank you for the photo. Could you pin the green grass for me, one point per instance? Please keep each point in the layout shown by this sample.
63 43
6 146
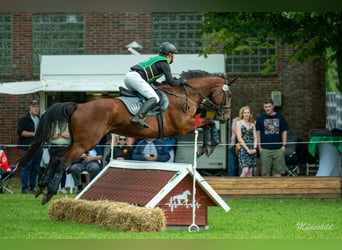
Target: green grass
23 217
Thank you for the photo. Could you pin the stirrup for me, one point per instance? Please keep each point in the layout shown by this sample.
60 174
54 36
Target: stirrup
140 121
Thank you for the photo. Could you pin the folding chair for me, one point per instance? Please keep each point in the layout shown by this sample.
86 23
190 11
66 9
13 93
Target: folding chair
293 154
6 181
5 174
313 164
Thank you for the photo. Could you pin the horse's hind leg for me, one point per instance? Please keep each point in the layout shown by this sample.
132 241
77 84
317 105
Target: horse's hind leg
42 180
53 179
53 186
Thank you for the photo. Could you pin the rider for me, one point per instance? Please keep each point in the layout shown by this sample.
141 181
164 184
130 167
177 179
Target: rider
142 75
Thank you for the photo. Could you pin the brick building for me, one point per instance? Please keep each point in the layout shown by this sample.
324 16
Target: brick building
24 36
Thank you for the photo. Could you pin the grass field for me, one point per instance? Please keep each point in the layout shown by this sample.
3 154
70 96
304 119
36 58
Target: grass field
23 217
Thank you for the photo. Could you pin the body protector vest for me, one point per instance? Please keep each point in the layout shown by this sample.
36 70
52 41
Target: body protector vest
149 68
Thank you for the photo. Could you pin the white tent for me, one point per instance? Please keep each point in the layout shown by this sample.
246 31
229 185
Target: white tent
99 73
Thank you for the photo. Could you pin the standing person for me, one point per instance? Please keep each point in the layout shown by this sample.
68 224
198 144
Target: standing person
271 130
246 136
151 150
233 159
27 126
60 139
142 75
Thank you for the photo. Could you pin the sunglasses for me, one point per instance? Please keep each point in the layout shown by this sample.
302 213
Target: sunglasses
122 139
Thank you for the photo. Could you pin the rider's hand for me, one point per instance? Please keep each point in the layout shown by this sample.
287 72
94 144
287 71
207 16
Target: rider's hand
183 81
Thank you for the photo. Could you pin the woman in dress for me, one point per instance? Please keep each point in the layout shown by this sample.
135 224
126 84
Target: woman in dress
246 136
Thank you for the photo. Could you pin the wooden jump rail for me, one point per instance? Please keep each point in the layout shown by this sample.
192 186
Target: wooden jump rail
277 187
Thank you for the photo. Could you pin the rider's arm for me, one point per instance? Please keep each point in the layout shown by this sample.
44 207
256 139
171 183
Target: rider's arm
165 67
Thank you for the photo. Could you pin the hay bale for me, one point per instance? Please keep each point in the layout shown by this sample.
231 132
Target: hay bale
115 215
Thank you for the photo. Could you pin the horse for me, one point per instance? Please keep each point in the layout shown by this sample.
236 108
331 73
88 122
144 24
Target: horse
182 197
89 122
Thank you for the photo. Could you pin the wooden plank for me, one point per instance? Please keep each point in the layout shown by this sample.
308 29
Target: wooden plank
275 182
279 185
325 196
319 187
276 191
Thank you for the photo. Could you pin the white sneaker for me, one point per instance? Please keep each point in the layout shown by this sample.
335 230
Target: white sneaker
63 191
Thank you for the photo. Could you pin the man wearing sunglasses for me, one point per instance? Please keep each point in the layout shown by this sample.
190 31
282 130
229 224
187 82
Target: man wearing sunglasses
123 149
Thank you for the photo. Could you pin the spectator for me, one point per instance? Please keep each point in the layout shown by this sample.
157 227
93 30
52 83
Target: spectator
123 149
60 139
233 161
151 150
27 126
271 128
90 161
246 135
171 147
5 168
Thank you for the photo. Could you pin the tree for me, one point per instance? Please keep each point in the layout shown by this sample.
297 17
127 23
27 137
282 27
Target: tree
311 34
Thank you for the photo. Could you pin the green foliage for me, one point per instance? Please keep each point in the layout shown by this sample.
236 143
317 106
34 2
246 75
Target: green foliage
331 75
23 217
308 33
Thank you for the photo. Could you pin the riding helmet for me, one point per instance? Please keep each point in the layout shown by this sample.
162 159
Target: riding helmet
166 48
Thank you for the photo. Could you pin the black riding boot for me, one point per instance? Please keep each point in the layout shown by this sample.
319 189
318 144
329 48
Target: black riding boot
140 117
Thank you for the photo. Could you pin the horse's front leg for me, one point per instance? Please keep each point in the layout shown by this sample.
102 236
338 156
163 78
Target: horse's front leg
210 138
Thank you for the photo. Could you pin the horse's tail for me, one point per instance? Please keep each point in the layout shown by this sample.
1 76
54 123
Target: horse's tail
55 118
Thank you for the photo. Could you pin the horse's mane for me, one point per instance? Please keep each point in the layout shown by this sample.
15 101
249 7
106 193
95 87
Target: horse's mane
198 73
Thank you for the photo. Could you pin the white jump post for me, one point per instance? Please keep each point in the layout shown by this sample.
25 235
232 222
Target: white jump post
194 227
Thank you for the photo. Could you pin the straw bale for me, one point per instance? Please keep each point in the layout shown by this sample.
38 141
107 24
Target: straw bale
115 215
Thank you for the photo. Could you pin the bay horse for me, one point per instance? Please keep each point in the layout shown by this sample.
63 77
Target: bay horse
89 122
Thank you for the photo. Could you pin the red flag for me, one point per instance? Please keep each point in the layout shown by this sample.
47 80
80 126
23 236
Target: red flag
197 120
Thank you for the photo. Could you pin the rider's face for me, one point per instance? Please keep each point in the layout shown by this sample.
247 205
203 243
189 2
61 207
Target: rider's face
171 57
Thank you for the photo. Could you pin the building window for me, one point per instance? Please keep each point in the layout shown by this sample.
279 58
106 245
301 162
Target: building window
181 29
6 49
262 59
57 34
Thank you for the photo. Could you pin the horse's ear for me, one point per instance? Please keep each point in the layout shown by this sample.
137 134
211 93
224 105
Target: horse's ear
230 82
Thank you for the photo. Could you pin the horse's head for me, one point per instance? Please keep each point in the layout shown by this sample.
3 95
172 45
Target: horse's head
221 98
214 89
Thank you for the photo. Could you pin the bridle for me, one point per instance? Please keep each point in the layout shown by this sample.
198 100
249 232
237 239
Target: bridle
221 108
209 104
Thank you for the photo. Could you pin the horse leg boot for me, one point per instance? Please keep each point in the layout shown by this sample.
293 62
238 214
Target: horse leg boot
45 175
208 143
41 182
53 186
140 117
214 136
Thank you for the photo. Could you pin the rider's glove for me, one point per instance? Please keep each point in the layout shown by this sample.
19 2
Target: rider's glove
183 81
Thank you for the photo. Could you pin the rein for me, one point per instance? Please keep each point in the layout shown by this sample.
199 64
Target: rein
220 109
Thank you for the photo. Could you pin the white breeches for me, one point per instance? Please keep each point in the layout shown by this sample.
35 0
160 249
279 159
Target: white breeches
134 81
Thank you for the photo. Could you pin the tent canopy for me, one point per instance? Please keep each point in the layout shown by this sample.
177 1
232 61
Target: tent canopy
61 73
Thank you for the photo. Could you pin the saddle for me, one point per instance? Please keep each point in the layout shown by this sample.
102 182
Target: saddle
133 101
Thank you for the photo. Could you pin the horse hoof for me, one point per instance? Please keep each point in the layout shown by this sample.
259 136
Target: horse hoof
38 191
200 151
46 198
209 150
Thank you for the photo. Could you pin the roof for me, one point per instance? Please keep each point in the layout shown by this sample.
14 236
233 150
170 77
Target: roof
157 178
